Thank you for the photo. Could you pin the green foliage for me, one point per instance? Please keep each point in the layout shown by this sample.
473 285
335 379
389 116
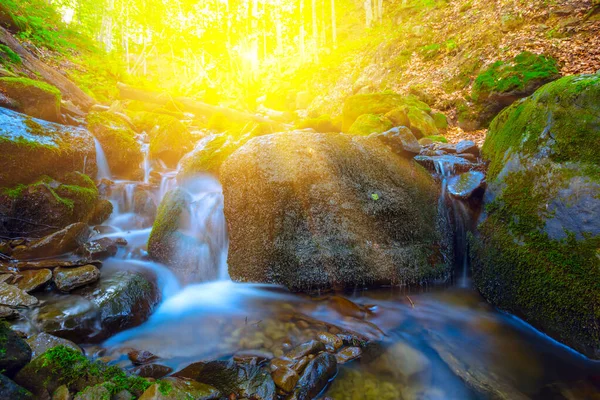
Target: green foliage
165 387
25 83
437 138
8 56
370 123
516 74
73 366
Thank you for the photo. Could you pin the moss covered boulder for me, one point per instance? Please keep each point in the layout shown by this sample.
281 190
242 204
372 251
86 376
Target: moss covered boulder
367 124
536 254
314 211
61 365
15 353
32 148
47 205
504 82
123 152
376 103
169 138
35 98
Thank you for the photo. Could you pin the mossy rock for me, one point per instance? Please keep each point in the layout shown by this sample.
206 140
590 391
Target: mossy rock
376 103
10 390
421 123
322 124
169 138
47 203
35 98
440 120
437 138
398 117
32 147
536 254
180 389
64 366
504 82
367 124
123 152
15 353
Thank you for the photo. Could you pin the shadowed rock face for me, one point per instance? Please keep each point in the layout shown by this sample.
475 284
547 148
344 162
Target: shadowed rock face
315 211
536 254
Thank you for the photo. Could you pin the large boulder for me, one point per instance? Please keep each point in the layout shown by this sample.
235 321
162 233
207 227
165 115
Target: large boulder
32 148
169 138
118 301
123 152
47 205
367 124
504 82
536 254
314 211
35 98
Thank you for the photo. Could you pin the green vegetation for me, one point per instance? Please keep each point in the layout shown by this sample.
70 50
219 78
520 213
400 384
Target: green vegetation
370 123
8 56
514 75
69 366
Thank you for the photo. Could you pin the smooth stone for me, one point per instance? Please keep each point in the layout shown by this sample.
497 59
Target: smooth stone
348 354
141 357
33 279
8 313
15 352
312 347
155 371
62 393
451 164
277 363
67 279
464 185
316 376
97 392
446 148
257 356
11 295
61 242
301 364
285 378
171 388
99 249
51 264
332 342
467 156
467 147
43 341
425 141
401 140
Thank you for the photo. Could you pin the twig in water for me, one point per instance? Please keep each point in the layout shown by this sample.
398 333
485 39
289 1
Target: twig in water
412 304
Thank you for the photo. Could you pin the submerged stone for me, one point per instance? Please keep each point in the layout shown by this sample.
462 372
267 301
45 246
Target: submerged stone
316 376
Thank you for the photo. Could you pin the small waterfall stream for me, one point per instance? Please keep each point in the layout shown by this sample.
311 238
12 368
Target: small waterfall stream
101 162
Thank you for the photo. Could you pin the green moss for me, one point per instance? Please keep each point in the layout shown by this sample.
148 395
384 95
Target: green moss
71 366
12 57
516 74
370 123
437 138
563 110
440 120
167 217
165 387
25 84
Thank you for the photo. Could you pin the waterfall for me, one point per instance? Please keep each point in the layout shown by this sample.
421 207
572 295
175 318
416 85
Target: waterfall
101 162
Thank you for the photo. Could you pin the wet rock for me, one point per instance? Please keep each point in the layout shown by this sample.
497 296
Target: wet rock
33 279
305 349
93 393
348 354
62 393
141 357
316 376
30 162
285 379
299 183
15 352
467 147
35 98
536 252
9 390
63 241
155 371
43 341
448 148
346 307
179 389
101 212
67 279
8 313
14 297
468 157
252 356
118 301
425 141
244 380
123 152
448 163
332 342
99 249
5 248
401 140
51 264
466 184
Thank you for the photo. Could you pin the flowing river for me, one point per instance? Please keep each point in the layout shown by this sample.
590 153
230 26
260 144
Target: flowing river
442 341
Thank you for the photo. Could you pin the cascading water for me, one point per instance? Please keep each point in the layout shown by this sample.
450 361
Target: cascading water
101 162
